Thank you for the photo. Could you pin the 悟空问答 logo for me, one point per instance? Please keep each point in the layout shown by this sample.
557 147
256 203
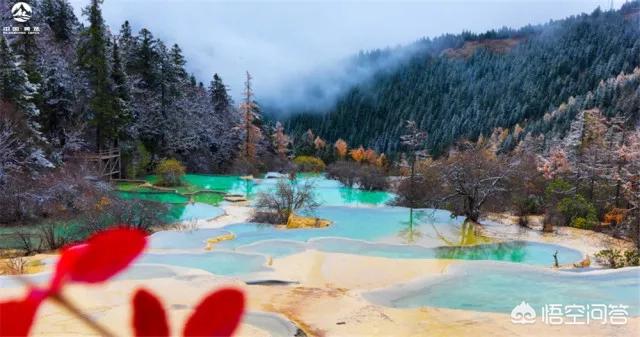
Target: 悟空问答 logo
21 11
523 313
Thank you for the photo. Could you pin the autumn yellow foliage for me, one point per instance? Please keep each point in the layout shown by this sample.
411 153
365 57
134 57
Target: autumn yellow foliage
309 164
382 161
358 154
615 216
341 148
170 172
103 203
370 156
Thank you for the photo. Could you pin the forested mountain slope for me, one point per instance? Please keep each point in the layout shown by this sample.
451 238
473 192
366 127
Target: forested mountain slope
83 88
476 83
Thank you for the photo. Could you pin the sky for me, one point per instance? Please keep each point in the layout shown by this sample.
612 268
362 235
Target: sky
281 41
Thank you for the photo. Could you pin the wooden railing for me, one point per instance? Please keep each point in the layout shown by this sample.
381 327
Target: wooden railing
107 162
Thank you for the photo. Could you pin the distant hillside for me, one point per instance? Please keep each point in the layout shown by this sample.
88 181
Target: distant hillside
493 45
468 85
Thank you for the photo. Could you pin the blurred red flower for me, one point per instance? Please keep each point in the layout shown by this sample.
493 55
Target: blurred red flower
218 314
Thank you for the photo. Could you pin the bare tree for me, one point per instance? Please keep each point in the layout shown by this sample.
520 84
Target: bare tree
472 177
413 142
252 134
288 197
629 152
16 265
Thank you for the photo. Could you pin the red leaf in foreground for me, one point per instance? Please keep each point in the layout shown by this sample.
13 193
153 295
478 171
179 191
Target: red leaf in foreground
101 257
149 317
217 315
16 317
68 258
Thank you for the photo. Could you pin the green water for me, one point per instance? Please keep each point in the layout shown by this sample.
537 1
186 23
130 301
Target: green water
70 231
328 192
209 198
164 197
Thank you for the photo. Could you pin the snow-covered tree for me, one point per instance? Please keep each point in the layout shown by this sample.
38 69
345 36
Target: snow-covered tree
15 87
219 96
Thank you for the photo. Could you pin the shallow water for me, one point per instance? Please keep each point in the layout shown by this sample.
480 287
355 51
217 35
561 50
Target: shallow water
499 288
391 232
193 211
372 232
215 262
514 251
384 224
195 239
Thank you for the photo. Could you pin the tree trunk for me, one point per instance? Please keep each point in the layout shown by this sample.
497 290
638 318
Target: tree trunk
472 210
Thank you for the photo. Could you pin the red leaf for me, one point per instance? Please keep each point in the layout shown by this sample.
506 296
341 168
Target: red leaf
68 259
149 317
16 317
218 314
101 257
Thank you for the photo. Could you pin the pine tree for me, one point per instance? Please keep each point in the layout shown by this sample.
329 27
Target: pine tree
219 96
127 44
58 14
16 90
122 111
92 58
145 59
178 61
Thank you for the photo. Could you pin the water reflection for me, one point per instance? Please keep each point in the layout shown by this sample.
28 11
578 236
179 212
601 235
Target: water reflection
424 227
515 251
410 234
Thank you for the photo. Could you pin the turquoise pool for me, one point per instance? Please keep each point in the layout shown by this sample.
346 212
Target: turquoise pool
512 251
383 224
376 231
194 211
329 192
499 288
515 251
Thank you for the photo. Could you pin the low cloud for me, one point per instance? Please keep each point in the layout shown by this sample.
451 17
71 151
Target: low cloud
299 52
